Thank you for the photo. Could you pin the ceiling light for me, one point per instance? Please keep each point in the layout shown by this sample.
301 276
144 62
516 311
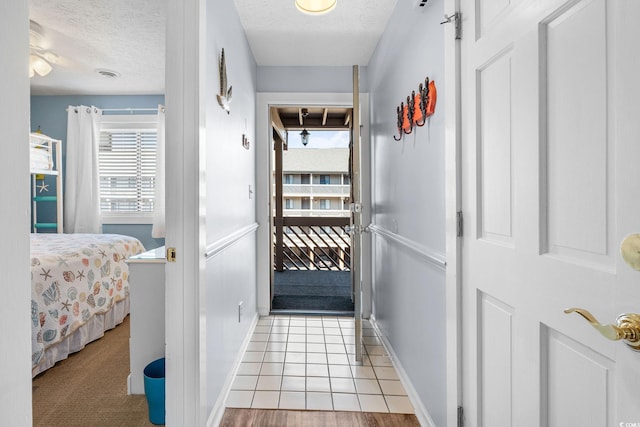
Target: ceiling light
39 65
40 59
315 7
304 136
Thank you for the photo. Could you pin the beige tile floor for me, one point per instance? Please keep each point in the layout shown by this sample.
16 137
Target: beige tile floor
300 362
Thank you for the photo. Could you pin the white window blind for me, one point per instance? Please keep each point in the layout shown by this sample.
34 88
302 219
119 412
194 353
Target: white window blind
127 166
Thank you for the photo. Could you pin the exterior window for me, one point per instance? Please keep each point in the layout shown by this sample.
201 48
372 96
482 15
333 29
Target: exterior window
346 179
305 178
306 203
288 203
127 169
325 179
288 179
325 204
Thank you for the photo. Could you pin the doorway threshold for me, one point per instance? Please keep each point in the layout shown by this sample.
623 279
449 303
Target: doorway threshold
311 312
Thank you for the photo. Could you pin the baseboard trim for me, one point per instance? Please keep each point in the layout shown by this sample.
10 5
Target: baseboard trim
423 416
216 414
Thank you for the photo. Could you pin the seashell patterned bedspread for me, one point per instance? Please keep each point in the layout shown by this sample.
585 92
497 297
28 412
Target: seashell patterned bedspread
73 277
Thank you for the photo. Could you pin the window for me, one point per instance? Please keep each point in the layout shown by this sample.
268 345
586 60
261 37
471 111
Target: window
346 179
325 179
288 179
127 168
325 204
288 203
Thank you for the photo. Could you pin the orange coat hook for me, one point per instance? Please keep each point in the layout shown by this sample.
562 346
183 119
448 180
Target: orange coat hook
418 114
407 117
399 122
432 98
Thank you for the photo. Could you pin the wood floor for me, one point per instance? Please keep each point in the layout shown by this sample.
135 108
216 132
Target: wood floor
283 418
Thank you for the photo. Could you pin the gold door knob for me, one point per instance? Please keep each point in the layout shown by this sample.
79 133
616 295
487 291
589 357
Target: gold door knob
627 327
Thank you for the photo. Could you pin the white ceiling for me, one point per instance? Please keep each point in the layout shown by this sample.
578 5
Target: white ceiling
280 35
129 37
121 35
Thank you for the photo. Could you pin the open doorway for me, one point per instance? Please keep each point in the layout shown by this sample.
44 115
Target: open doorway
311 197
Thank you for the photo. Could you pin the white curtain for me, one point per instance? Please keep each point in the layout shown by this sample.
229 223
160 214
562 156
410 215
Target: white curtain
82 194
159 204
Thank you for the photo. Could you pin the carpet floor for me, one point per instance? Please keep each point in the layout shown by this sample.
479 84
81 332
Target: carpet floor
312 290
90 387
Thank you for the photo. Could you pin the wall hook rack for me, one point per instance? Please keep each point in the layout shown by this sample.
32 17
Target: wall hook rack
419 107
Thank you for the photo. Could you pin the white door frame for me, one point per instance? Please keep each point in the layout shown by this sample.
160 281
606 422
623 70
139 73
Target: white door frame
264 100
185 128
453 195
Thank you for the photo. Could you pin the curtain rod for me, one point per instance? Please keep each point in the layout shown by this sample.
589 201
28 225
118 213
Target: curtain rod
130 110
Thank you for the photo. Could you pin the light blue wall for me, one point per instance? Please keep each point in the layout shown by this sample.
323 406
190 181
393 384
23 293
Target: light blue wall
49 114
408 179
230 276
309 79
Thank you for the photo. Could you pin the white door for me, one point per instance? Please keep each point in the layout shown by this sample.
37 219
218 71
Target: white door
356 215
551 186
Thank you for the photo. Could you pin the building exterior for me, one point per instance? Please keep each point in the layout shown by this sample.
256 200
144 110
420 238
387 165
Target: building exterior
316 182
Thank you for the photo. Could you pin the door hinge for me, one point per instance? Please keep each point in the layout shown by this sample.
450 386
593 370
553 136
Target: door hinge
459 224
355 207
171 254
460 416
456 18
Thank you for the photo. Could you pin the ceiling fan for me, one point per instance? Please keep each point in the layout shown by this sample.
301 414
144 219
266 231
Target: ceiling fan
40 59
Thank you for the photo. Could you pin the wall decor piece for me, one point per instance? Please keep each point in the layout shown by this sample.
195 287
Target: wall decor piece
420 106
224 97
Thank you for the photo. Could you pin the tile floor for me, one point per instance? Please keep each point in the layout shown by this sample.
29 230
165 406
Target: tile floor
299 362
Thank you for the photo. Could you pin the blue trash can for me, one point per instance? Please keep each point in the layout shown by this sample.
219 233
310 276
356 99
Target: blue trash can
154 375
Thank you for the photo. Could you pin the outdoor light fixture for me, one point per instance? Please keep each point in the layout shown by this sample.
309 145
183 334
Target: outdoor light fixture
304 136
316 7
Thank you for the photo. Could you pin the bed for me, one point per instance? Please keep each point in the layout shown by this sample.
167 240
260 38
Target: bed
79 289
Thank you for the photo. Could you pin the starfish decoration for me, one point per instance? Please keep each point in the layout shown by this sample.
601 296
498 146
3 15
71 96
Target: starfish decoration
80 275
42 187
46 274
66 305
224 97
102 253
113 281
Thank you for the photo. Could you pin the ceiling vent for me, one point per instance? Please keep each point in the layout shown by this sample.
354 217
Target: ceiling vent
109 74
422 3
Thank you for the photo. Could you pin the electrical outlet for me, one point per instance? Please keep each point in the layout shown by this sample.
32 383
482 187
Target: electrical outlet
240 310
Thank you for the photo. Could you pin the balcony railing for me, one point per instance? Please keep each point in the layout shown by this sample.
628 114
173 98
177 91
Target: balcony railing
312 243
316 212
297 190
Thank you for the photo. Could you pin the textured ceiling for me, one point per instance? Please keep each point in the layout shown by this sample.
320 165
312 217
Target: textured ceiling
120 35
128 37
280 35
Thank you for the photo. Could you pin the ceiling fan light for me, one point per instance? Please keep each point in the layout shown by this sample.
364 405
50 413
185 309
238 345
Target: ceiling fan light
51 57
316 7
39 65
